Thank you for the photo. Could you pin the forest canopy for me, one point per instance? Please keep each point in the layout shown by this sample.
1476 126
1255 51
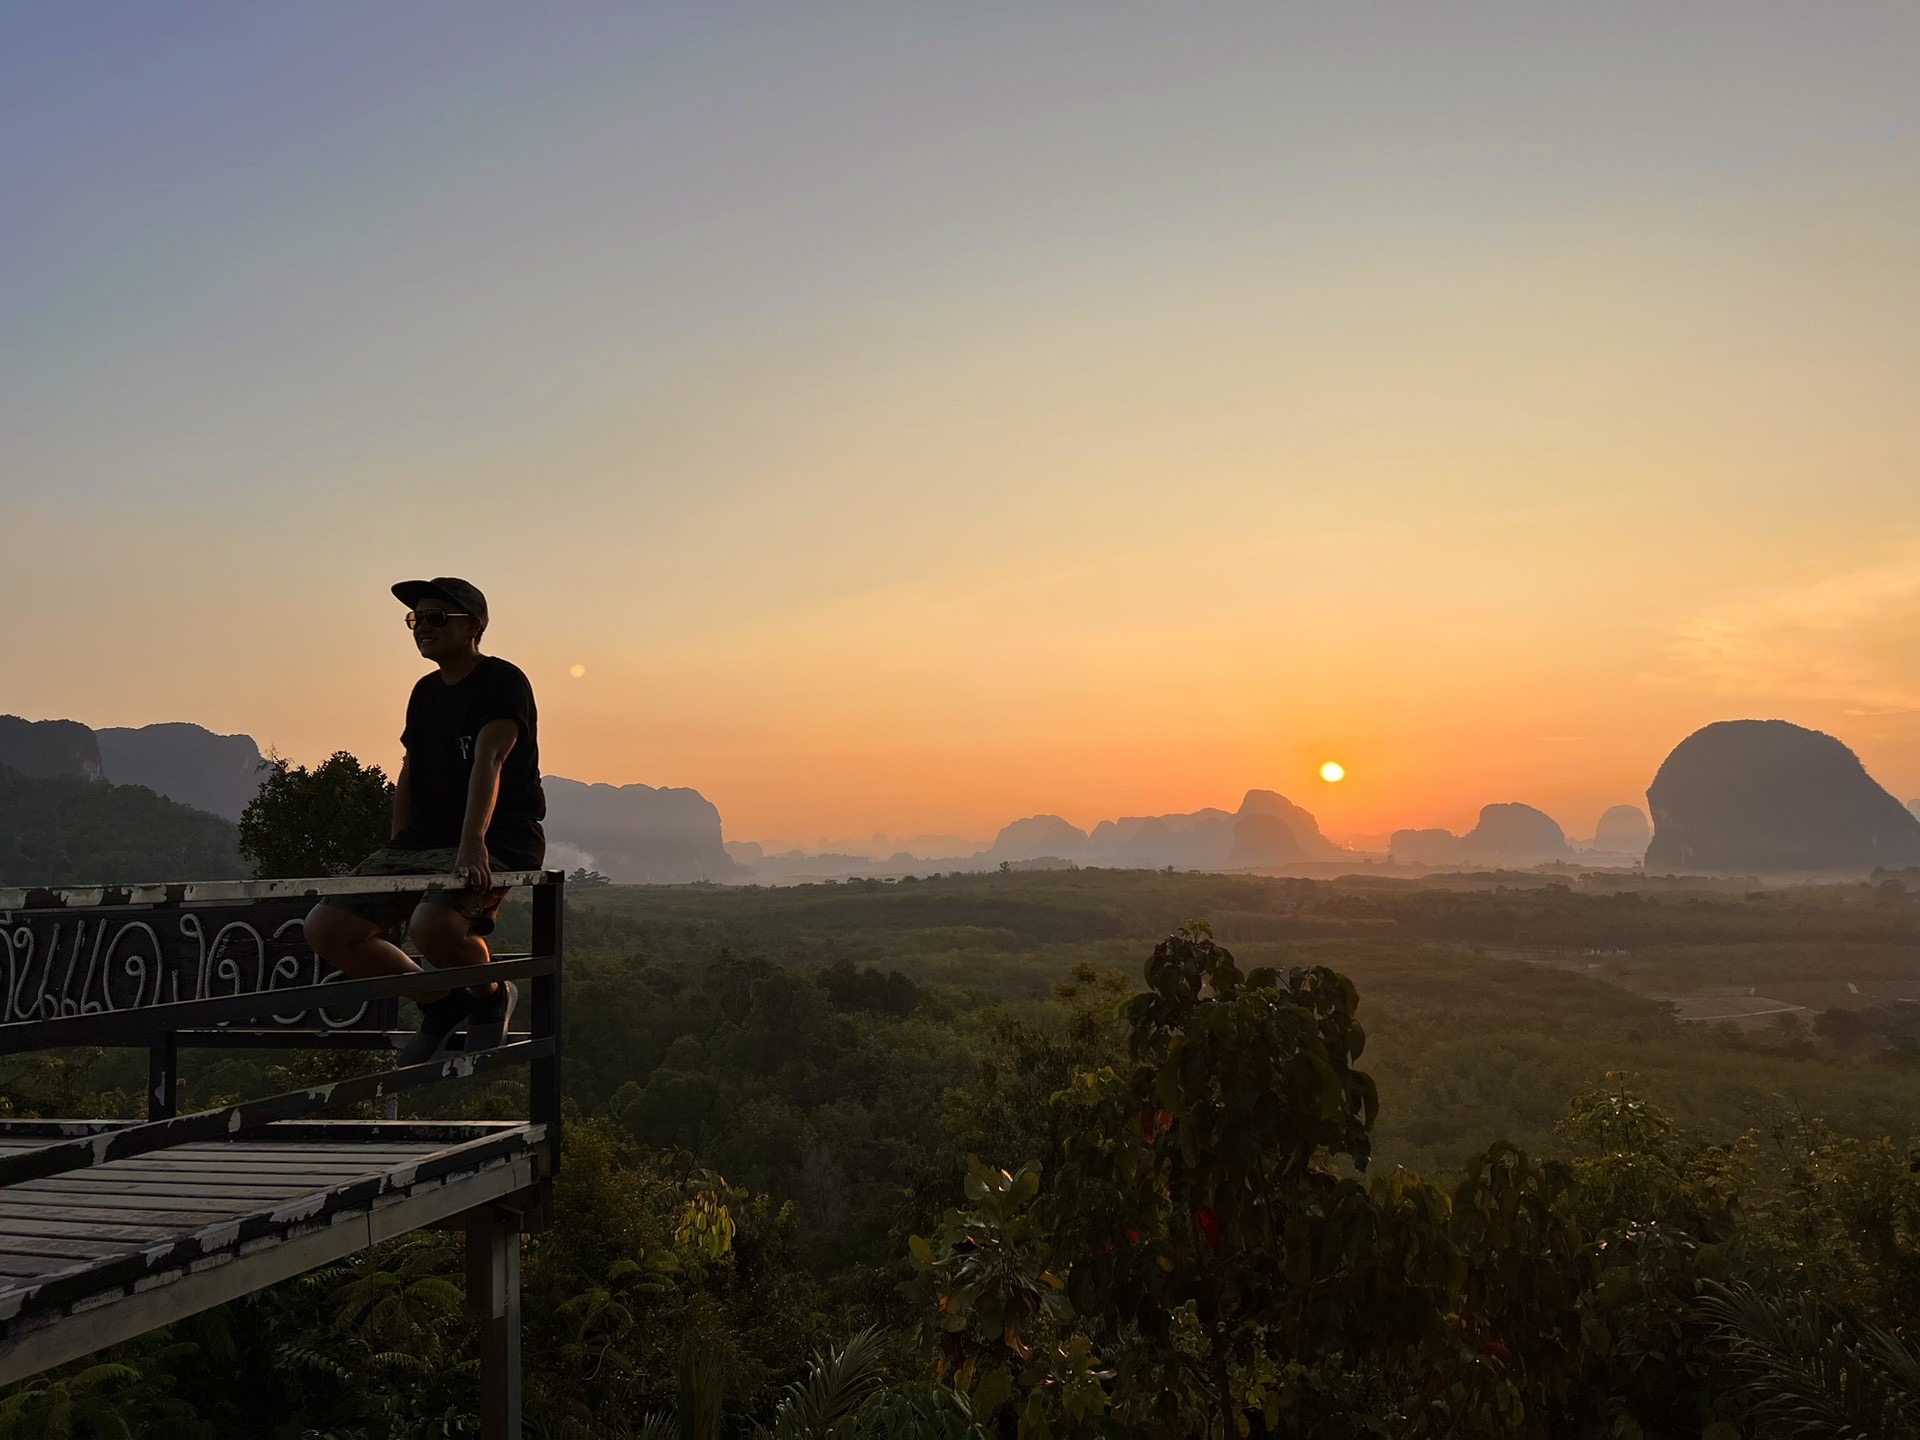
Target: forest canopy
979 1155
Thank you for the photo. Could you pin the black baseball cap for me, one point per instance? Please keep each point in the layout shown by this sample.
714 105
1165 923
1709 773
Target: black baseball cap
455 594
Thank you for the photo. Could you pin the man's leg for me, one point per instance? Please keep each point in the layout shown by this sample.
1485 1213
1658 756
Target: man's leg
445 937
446 941
354 944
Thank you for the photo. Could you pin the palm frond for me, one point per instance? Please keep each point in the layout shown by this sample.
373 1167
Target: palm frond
701 1379
836 1385
1809 1373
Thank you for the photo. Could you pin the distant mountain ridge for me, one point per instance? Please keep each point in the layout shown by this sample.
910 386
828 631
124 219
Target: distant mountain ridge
42 748
637 833
1267 830
631 832
188 763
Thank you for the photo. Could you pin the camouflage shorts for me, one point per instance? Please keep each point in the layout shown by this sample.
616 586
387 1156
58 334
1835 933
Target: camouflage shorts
390 912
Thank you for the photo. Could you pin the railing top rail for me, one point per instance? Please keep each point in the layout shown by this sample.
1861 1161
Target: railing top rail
202 892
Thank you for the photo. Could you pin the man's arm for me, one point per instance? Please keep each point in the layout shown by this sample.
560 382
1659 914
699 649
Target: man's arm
402 801
490 750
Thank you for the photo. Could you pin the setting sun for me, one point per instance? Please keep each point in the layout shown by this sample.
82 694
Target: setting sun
1333 772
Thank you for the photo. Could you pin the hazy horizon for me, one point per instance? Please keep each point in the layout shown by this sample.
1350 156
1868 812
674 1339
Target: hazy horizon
914 421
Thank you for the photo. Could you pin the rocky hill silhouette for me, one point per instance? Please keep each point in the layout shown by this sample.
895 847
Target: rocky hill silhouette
1623 830
1508 833
1767 797
1039 835
41 748
636 833
188 763
1267 830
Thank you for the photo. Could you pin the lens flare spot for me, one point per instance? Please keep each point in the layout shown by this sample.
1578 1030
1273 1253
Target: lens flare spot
1333 772
578 671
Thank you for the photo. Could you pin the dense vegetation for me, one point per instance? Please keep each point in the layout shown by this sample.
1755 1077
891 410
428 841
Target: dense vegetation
63 830
1076 1194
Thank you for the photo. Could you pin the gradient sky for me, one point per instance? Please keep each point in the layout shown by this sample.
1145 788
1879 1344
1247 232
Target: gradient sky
914 418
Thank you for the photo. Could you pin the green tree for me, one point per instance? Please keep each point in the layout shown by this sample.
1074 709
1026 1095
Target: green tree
1206 1260
322 821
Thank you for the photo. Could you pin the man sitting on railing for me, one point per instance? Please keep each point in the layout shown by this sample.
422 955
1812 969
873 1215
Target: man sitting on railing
468 802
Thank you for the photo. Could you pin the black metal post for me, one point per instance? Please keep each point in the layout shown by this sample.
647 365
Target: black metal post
549 923
163 1077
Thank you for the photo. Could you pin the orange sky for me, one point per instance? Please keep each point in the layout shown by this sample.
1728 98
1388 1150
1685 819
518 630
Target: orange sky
972 420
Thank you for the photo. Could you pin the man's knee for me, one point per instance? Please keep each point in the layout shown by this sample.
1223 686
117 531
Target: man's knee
329 929
440 933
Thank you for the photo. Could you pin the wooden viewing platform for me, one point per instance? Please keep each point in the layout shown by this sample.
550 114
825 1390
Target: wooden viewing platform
111 1228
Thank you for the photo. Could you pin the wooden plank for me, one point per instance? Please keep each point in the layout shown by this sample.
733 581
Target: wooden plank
25 1220
443 1132
133 1202
73 1191
30 1267
379 1154
61 1156
168 1167
61 1245
166 1162
27 1349
107 1185
109 1225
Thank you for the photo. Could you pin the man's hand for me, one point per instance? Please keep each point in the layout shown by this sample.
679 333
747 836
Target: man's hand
473 865
496 739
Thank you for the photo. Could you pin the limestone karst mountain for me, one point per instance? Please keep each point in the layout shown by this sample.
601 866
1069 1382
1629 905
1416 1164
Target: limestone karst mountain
1267 830
1514 834
1623 830
1271 830
1202 840
636 833
1769 797
188 763
1425 847
41 748
1039 835
1507 834
1262 840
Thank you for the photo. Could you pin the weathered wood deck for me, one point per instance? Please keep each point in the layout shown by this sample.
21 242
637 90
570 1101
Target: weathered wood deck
101 1255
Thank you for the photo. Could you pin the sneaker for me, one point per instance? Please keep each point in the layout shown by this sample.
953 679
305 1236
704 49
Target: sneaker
438 1020
488 1027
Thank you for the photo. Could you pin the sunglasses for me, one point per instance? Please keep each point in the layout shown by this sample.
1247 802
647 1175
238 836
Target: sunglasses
434 618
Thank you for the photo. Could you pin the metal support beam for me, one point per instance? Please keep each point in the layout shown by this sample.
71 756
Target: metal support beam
543 1078
163 1077
493 1299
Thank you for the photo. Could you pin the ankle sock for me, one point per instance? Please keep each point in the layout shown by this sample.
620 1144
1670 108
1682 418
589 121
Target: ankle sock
448 1007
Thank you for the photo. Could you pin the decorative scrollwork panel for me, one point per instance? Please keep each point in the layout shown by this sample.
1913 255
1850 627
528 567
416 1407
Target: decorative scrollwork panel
68 962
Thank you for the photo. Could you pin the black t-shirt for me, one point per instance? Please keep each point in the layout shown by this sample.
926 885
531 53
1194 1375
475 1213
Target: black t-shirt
443 722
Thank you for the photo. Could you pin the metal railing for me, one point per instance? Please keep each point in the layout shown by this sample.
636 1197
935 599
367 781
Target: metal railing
226 965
